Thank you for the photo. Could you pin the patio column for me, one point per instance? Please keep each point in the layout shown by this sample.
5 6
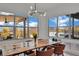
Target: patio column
73 27
57 28
70 27
24 28
14 27
28 27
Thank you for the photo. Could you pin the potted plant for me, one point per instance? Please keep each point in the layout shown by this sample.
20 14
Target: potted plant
35 37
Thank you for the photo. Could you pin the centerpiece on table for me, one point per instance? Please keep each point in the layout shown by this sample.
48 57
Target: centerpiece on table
35 37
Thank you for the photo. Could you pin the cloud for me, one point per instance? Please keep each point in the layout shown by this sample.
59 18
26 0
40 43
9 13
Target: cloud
62 24
11 23
21 24
76 19
53 19
1 23
63 20
33 24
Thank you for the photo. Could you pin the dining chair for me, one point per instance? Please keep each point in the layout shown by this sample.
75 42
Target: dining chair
30 53
59 49
1 52
48 52
33 53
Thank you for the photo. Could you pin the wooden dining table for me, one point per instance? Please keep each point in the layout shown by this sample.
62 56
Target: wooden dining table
20 50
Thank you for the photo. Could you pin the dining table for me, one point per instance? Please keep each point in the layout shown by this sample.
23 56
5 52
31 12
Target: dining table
19 50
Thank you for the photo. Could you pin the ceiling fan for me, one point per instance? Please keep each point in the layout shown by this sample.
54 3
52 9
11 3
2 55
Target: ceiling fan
33 11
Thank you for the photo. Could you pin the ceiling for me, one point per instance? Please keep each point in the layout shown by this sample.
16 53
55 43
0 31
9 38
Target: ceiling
52 9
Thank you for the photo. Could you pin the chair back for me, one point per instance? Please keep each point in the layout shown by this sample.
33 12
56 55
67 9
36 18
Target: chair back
59 48
49 52
1 52
32 54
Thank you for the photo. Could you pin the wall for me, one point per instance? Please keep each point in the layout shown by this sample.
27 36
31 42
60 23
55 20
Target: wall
71 46
43 27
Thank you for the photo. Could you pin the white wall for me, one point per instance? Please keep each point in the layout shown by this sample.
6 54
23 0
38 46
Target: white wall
43 27
71 46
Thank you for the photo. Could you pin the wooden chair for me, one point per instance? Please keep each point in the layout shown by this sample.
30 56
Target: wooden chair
48 52
59 49
30 53
33 53
1 52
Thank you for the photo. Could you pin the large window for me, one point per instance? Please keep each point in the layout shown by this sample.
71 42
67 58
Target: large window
76 28
19 30
52 22
59 26
33 26
63 26
6 27
14 27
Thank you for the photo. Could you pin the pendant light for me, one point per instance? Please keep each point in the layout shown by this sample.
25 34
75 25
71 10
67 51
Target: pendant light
33 11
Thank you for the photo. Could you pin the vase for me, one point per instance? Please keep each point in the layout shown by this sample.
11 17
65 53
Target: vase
35 41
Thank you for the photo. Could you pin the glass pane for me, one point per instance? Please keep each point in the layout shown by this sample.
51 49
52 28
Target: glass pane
6 27
19 27
6 33
19 32
63 26
52 22
76 28
33 26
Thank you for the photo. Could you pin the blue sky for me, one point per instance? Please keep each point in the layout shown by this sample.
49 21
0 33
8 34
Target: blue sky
62 21
33 22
